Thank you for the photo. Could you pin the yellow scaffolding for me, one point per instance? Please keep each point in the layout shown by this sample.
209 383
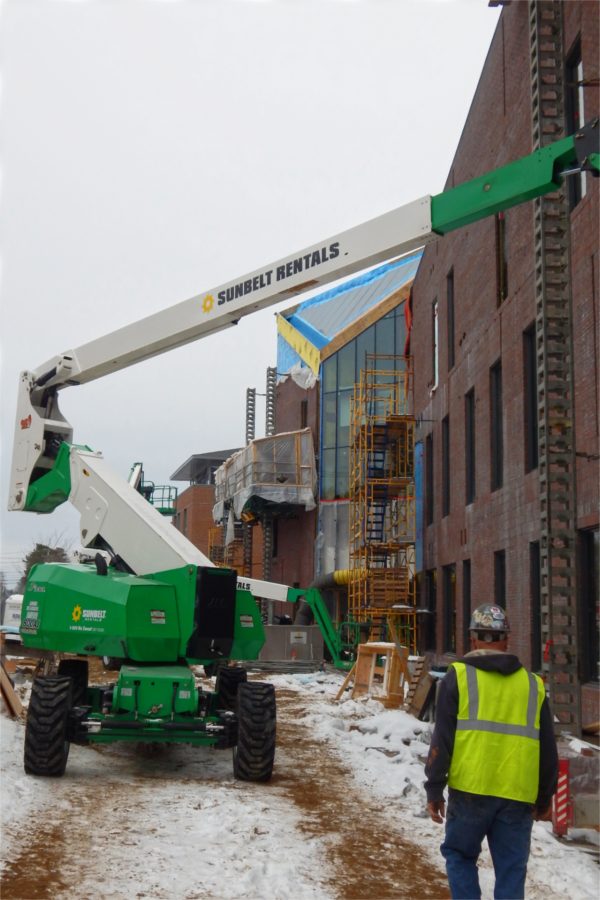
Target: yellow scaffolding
229 556
382 500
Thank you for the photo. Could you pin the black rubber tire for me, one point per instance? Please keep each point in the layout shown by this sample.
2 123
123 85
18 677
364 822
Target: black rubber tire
228 680
46 744
78 671
254 755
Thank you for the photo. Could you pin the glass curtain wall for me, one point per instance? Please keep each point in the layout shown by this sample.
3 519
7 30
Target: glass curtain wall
339 374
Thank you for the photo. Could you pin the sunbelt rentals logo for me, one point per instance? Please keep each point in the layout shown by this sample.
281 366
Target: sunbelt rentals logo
208 303
88 615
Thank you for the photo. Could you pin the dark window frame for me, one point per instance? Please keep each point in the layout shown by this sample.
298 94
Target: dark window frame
470 448
500 578
429 480
501 258
429 620
303 413
445 466
449 601
496 428
450 318
530 400
466 603
435 337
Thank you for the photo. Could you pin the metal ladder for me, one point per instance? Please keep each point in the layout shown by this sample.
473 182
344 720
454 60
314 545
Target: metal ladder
555 380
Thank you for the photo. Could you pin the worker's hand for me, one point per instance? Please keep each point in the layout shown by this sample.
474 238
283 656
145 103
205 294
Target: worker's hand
543 815
437 810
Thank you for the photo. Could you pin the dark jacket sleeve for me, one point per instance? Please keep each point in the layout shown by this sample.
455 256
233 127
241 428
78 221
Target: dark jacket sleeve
442 739
548 758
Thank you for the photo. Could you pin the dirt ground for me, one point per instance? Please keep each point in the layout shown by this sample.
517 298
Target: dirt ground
369 855
368 851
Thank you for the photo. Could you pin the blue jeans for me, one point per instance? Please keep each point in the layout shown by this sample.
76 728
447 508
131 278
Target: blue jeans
506 824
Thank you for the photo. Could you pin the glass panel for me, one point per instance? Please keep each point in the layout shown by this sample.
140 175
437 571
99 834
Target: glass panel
346 367
328 474
365 343
400 331
343 429
341 481
329 420
384 344
384 337
329 374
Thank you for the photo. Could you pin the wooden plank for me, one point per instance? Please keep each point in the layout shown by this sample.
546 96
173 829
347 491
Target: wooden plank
365 668
347 679
11 699
422 694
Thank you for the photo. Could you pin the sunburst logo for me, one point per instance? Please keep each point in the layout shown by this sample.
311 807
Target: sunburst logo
76 614
208 303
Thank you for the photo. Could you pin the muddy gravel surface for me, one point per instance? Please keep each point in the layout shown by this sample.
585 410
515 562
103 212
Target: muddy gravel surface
120 824
369 850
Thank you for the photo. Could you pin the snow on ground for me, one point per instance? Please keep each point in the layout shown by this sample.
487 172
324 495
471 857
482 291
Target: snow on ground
180 825
188 829
386 750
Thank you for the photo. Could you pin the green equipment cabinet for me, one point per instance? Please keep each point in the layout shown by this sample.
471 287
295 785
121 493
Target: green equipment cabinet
158 625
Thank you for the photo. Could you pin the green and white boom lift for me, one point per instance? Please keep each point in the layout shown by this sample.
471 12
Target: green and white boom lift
160 604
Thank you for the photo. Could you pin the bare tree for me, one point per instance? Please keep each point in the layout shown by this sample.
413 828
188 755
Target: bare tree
42 553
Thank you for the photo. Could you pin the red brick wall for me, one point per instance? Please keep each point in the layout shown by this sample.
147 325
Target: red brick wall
498 130
194 514
194 508
294 562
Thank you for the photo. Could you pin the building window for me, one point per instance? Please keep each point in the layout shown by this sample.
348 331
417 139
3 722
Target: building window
588 547
303 413
530 399
470 447
501 259
339 374
428 628
500 578
434 342
450 314
496 440
449 591
466 598
575 115
535 603
429 479
446 466
185 518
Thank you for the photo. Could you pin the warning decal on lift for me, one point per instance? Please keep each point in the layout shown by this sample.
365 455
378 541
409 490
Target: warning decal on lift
246 621
157 616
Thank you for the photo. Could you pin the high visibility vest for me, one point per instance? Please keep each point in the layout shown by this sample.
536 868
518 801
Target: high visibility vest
497 741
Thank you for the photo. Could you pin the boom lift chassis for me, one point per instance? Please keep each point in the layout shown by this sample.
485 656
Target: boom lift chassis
160 604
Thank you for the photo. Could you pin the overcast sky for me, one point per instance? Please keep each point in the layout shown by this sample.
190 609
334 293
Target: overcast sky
152 149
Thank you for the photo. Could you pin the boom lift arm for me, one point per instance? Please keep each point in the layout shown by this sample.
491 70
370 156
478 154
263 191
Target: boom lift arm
48 469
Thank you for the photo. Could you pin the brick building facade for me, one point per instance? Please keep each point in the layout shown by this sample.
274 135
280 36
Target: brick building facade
473 339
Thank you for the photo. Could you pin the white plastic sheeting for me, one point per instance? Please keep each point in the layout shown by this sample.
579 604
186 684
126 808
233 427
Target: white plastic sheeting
279 469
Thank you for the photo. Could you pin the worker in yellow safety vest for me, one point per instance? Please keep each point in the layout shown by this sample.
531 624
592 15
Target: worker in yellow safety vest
493 745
